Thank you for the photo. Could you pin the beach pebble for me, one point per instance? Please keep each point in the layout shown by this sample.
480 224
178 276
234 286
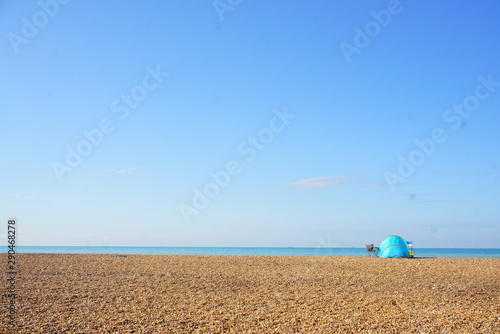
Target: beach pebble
93 293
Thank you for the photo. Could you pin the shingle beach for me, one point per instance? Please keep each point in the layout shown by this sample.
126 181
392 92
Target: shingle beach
92 293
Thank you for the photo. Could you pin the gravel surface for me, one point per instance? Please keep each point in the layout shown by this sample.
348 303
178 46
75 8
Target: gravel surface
93 293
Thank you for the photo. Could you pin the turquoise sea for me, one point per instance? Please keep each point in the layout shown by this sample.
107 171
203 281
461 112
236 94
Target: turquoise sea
289 251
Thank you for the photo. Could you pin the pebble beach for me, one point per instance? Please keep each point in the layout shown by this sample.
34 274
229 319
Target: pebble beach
94 293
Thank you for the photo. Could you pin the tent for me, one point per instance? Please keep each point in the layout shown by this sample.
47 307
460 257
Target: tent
394 246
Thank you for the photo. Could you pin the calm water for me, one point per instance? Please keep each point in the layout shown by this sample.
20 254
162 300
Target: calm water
419 252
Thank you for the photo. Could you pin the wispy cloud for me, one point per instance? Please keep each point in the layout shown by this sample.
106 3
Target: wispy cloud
435 201
27 194
338 181
465 172
124 170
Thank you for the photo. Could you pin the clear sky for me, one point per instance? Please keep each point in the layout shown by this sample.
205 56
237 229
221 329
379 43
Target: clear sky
250 123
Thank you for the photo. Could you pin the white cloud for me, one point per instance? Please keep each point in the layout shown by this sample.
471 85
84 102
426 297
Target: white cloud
124 170
338 181
28 194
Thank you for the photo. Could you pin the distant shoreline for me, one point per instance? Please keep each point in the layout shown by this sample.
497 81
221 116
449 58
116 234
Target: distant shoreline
265 251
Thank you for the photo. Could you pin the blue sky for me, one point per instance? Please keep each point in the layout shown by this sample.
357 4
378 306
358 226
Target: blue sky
251 123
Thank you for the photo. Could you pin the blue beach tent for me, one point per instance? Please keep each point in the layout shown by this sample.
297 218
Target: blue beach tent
394 246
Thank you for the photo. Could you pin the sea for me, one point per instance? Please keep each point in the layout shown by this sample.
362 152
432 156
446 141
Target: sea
266 251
